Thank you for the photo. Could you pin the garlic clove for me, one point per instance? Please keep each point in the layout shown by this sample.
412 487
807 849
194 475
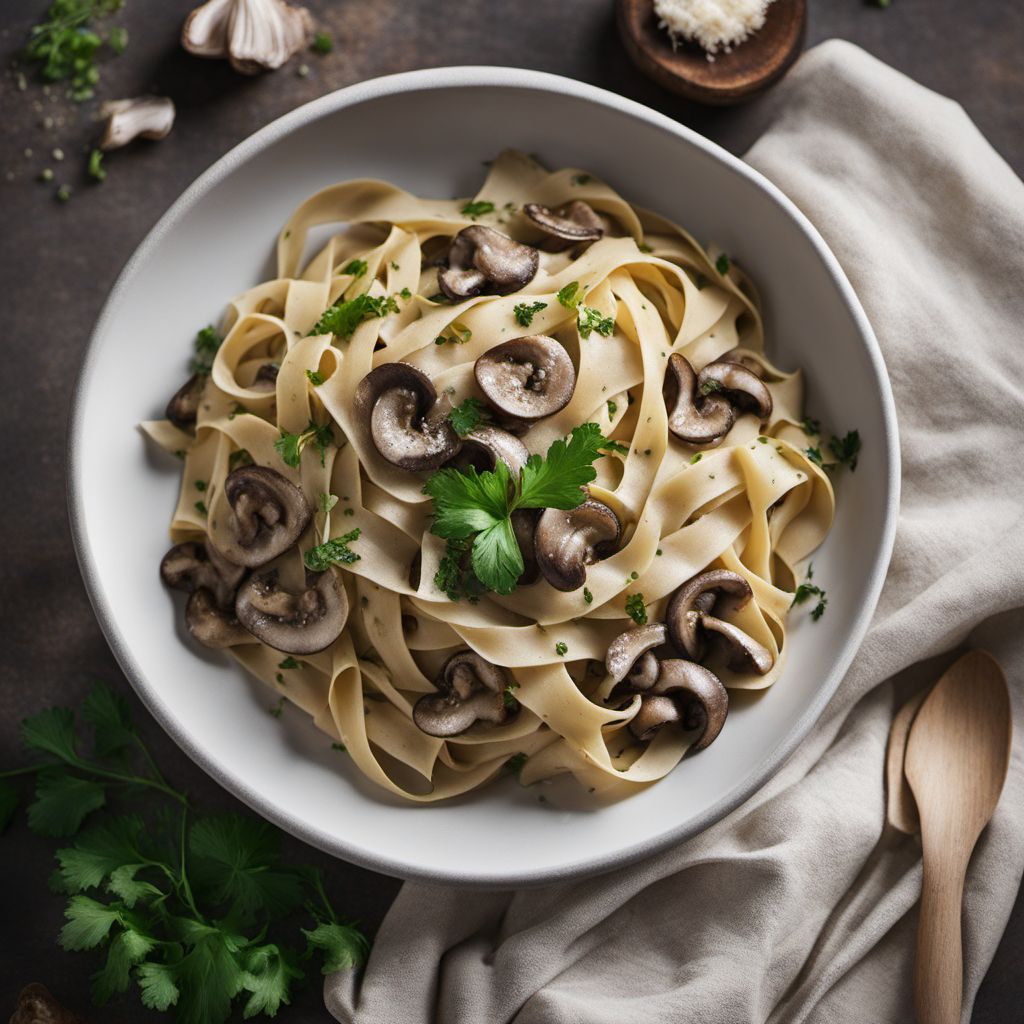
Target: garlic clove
205 32
147 117
263 34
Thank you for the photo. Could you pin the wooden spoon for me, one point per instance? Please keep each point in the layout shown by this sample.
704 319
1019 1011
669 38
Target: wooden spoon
957 755
751 66
900 809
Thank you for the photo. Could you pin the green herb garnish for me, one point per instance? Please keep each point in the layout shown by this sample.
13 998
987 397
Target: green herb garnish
588 597
561 649
590 320
325 502
710 386
722 264
240 458
356 268
322 43
332 552
807 590
636 609
207 342
478 506
95 168
810 427
582 179
290 446
468 415
343 318
613 408
455 577
477 208
569 295
814 454
846 449
524 312
315 377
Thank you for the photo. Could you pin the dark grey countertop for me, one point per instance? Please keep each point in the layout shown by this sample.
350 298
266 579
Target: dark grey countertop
58 261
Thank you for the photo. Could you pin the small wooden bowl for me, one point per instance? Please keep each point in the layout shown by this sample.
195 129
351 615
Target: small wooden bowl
731 77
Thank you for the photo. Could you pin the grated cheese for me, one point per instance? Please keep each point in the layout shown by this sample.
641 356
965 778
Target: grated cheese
716 25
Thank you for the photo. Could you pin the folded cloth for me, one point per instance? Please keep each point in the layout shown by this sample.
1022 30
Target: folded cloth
800 905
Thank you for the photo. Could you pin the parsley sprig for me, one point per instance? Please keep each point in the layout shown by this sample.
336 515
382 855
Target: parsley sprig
290 446
807 590
198 911
343 318
206 344
335 551
469 505
468 415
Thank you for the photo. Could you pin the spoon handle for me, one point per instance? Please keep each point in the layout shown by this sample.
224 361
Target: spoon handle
939 971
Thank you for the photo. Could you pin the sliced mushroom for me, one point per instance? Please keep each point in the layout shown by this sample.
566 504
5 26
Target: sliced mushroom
568 541
526 379
524 526
37 1005
571 224
194 565
743 652
302 623
654 713
143 117
211 625
255 35
739 384
696 597
702 700
485 446
268 515
482 261
693 418
629 659
266 377
183 408
397 407
471 690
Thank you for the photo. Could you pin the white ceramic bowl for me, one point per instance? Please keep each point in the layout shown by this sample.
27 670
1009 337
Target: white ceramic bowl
429 131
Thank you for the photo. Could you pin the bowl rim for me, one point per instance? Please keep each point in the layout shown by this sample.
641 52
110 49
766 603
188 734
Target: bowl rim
474 76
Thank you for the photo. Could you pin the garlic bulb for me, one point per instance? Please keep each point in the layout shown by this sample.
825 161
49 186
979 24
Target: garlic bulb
255 35
147 117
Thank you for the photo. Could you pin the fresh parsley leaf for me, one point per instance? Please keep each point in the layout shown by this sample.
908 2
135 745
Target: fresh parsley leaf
51 732
590 320
126 950
63 802
569 295
100 851
343 946
88 923
455 577
636 609
110 717
322 43
588 597
269 974
325 502
524 312
613 408
814 454
496 557
332 552
466 502
240 458
95 168
343 318
710 386
561 649
807 590
477 208
290 446
810 427
556 481
356 268
157 987
722 264
468 415
509 696
315 377
846 449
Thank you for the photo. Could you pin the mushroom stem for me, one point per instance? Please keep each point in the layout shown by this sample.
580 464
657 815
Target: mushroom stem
143 117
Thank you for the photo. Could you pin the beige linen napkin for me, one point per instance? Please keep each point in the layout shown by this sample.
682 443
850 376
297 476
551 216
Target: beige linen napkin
796 907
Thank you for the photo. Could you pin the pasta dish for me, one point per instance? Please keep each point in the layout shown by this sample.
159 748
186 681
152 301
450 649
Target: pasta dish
505 483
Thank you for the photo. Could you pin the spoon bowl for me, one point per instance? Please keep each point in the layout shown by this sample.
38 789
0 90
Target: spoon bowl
957 755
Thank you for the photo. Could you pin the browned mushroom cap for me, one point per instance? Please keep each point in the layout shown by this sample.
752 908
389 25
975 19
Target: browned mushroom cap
743 652
527 378
193 564
268 515
266 377
396 406
211 625
695 598
570 224
654 712
37 1005
628 657
471 690
485 446
484 261
693 418
302 623
743 388
567 541
702 700
183 407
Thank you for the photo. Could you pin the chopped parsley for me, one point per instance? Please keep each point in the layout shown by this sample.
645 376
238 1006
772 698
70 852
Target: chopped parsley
582 179
468 415
315 377
722 264
469 505
696 458
807 590
95 168
569 295
206 344
477 208
710 386
588 597
340 747
322 43
524 313
200 485
289 662
332 552
846 449
343 318
201 508
509 696
325 502
290 446
814 454
810 427
636 608
590 320
561 649
356 268
613 408
240 458
455 577
405 294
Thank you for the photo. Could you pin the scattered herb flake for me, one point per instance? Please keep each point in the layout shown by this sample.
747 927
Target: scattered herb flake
332 552
814 454
477 208
561 649
315 377
811 427
325 502
588 597
569 295
846 449
613 408
722 264
468 415
322 43
524 312
240 458
95 169
343 318
582 179
290 446
696 458
590 320
636 609
355 267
